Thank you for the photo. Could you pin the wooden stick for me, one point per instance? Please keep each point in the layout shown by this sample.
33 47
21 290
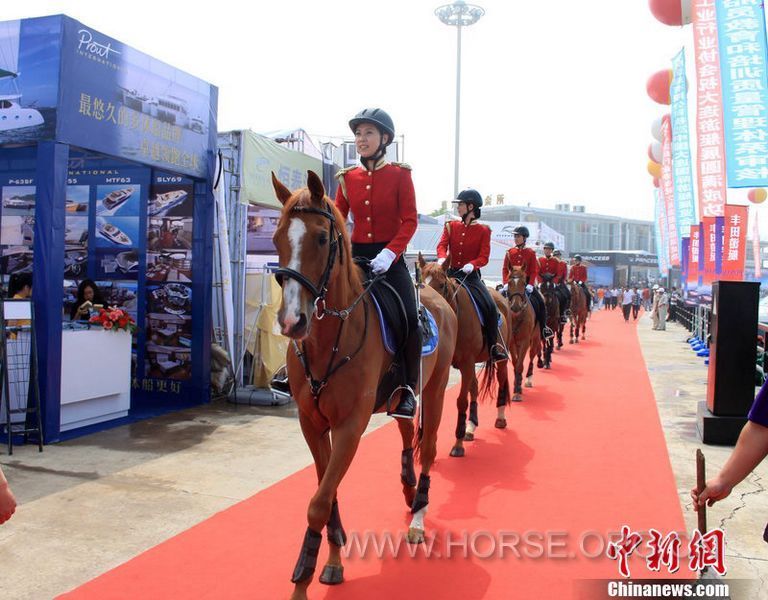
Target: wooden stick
701 483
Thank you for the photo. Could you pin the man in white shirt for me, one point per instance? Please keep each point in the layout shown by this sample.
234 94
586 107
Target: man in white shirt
626 303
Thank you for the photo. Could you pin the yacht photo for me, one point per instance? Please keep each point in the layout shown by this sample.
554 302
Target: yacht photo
164 202
112 233
117 198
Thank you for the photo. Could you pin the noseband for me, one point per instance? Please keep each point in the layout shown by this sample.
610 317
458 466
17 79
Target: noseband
318 291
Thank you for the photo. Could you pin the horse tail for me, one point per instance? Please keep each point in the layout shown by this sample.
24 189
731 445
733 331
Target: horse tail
489 375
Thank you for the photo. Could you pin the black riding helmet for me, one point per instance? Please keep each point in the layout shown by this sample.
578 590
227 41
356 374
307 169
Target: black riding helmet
549 245
470 196
577 257
377 117
521 230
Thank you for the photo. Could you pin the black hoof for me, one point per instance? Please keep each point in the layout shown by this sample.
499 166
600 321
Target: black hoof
457 452
540 364
332 575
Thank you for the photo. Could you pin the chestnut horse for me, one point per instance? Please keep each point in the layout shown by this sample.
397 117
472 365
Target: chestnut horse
578 312
526 335
471 348
548 288
337 366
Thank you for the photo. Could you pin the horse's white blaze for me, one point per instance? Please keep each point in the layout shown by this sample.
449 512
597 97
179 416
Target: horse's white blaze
291 287
428 280
418 519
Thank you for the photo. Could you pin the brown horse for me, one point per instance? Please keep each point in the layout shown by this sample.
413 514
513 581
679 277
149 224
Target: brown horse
470 349
548 288
338 364
526 336
578 312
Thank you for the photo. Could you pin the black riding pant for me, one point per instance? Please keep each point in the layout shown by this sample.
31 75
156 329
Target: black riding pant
400 279
539 308
484 300
589 297
564 297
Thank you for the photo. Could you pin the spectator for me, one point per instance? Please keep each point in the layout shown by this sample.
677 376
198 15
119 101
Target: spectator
647 299
662 305
750 450
674 299
626 303
7 501
637 299
600 297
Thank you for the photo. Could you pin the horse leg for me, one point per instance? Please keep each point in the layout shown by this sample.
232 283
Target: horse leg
571 325
432 407
529 373
502 398
467 375
584 329
472 422
345 440
407 471
518 384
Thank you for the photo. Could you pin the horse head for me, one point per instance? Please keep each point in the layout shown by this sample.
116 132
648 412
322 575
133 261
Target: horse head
516 290
312 248
436 277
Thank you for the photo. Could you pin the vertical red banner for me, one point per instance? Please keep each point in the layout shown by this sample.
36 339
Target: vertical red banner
709 243
693 257
710 157
734 242
668 192
756 246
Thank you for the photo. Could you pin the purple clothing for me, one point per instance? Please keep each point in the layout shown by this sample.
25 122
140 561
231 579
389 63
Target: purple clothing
759 411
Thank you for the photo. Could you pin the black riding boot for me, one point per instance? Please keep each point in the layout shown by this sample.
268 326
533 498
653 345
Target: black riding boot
411 363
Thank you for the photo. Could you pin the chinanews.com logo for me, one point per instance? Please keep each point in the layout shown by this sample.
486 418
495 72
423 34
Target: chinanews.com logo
89 48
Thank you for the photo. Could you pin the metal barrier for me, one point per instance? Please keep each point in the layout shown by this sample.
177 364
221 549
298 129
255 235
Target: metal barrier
695 318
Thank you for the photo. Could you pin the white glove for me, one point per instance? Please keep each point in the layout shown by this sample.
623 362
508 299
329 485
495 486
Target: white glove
529 288
383 261
468 268
505 288
440 262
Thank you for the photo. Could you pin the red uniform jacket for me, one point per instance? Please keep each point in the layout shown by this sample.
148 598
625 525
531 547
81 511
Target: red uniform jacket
548 266
578 273
382 202
562 271
520 257
465 244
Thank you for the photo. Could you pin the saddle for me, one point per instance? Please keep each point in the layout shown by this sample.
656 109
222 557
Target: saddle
393 320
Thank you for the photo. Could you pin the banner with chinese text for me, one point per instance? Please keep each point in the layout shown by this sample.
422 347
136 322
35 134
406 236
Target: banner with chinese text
661 242
734 242
709 115
741 37
709 246
756 245
667 190
693 258
682 168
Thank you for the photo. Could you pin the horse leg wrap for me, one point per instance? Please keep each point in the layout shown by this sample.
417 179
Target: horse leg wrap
335 531
503 396
305 566
407 473
461 426
422 494
473 413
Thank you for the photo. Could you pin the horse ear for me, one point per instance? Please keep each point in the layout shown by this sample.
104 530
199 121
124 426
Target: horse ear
422 262
315 185
446 264
282 192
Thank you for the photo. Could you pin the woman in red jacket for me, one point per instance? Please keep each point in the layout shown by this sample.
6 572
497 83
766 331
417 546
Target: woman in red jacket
381 198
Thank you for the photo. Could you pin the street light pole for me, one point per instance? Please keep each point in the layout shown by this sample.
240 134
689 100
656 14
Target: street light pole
459 14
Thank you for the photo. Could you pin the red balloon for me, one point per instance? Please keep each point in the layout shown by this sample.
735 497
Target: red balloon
658 86
671 12
757 196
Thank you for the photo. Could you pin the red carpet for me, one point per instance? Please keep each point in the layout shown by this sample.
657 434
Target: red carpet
584 455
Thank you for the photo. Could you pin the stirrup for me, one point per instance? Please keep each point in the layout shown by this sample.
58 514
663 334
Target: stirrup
406 408
498 353
548 333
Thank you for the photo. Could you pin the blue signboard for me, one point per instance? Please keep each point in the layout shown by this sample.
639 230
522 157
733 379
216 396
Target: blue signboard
682 172
61 80
742 40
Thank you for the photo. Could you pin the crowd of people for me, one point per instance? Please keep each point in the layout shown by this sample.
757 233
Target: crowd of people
655 300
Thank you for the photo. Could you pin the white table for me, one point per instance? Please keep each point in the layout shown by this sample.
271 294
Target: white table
95 377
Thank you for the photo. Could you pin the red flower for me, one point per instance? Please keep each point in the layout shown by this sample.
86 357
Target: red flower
122 322
108 325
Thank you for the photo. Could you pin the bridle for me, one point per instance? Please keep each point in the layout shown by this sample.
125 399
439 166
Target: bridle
318 293
512 295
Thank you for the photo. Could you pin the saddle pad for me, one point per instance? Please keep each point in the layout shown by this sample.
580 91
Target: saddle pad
428 345
478 311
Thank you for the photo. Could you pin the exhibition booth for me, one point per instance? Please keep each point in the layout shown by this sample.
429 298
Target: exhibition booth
106 168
